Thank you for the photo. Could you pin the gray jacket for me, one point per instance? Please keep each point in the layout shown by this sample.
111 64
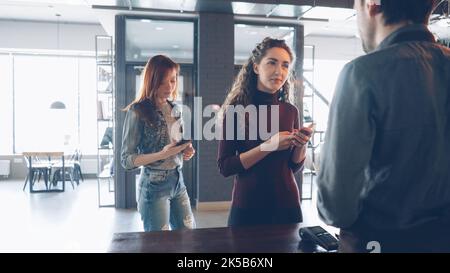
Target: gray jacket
386 156
140 138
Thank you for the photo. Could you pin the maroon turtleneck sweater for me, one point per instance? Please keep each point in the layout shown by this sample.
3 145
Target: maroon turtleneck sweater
269 184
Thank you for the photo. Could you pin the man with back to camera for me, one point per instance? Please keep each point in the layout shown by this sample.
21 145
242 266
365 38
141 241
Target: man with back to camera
385 172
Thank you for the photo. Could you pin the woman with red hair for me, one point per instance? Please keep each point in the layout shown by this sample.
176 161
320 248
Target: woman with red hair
151 131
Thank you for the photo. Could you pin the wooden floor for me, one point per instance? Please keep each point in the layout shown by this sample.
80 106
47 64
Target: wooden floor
72 221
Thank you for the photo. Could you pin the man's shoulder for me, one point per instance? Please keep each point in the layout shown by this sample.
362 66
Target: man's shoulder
446 51
371 64
399 52
371 59
380 63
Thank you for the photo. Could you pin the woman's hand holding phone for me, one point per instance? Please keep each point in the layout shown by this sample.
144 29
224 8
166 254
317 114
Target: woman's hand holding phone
303 135
173 149
183 141
189 152
278 142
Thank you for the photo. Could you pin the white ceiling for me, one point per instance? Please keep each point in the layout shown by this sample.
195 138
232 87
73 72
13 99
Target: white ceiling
80 11
334 22
77 11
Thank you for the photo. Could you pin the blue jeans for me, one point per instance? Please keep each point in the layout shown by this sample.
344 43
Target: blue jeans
163 201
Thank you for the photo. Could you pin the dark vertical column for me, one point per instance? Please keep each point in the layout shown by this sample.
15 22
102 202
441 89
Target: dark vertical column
215 77
299 44
121 187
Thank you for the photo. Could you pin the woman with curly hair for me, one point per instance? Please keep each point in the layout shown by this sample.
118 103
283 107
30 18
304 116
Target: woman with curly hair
265 190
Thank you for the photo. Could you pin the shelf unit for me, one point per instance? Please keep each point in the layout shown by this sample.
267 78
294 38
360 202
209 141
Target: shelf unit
105 120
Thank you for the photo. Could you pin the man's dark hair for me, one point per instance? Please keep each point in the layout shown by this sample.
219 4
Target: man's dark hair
396 11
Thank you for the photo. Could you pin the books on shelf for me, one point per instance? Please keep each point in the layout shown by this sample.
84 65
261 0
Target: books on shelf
108 170
100 115
107 139
103 113
104 79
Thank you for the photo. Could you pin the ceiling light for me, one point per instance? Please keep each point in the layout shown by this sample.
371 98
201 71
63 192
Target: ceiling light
159 28
329 13
57 105
146 20
242 8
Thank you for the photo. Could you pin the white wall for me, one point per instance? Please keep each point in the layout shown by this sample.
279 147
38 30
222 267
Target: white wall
28 35
335 48
331 54
43 35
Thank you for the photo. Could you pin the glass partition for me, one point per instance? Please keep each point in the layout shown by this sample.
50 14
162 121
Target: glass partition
247 36
146 38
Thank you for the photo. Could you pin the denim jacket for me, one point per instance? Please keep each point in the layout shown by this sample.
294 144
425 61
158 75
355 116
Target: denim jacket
141 138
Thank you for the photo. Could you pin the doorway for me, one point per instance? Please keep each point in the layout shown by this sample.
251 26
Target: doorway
185 97
137 40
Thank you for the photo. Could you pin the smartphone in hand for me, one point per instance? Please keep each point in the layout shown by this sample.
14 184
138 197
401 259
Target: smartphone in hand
307 132
183 141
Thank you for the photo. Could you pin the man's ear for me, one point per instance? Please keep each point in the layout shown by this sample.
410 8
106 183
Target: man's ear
255 69
374 7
